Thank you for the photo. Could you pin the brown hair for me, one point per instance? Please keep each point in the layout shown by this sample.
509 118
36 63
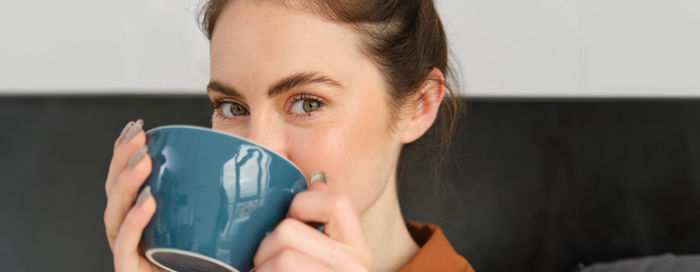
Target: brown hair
405 38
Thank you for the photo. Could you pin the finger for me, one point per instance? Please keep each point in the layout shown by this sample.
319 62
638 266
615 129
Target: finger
292 234
125 250
121 157
334 210
125 146
123 196
290 260
129 131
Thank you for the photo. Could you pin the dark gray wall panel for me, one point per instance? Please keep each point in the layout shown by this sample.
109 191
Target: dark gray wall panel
546 185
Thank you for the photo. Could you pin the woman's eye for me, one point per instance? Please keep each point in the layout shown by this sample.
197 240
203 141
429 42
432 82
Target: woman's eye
233 109
303 106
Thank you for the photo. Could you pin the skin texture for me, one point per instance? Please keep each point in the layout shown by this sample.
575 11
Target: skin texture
349 133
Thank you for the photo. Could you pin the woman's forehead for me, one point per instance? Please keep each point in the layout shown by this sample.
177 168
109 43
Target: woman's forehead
261 42
265 25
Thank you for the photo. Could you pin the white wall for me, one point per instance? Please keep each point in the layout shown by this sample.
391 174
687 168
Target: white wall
577 47
102 46
580 48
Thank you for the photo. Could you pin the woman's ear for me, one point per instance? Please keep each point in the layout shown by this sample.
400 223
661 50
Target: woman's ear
420 115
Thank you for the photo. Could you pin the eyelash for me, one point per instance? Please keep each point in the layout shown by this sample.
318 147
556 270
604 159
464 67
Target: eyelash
217 103
303 96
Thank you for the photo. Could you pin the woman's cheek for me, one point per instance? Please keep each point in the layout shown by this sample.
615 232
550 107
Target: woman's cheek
316 152
352 163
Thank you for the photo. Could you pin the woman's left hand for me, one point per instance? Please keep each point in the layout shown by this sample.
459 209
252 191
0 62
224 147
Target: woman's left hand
296 246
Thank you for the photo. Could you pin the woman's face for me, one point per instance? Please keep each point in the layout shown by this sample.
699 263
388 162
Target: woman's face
301 86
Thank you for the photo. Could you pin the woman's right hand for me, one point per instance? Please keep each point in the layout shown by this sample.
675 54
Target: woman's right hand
124 220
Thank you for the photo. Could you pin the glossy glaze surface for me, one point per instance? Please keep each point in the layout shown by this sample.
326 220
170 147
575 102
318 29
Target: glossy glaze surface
217 195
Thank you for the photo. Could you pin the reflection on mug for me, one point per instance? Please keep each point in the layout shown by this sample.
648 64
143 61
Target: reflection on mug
246 181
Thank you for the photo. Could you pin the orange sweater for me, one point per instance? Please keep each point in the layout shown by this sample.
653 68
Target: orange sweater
436 253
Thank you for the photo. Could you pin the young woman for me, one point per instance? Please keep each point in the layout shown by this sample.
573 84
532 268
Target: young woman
338 86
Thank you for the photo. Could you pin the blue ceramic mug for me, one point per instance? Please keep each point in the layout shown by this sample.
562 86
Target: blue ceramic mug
217 197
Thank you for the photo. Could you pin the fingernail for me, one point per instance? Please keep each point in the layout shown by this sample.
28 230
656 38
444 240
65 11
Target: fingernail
138 156
133 130
124 130
317 176
145 193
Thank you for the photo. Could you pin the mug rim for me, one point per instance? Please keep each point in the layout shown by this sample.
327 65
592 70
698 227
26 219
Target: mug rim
149 255
166 127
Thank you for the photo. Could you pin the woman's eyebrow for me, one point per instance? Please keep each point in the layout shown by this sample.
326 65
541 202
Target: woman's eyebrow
215 86
281 86
300 79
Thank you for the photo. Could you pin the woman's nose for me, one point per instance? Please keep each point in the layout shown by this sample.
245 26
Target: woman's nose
265 130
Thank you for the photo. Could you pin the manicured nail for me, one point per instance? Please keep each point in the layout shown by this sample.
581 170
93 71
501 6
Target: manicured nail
317 176
145 193
126 128
138 156
133 130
